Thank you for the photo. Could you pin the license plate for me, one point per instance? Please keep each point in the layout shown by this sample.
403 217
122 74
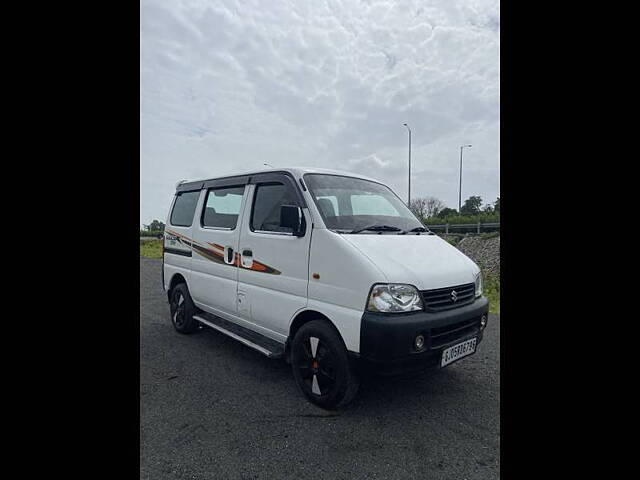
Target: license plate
460 350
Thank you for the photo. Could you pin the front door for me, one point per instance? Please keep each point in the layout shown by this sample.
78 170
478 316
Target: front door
216 233
274 265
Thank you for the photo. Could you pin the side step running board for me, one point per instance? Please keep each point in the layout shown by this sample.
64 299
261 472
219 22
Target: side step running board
265 345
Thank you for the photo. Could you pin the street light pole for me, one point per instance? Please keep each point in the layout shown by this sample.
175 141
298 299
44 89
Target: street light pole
460 189
409 191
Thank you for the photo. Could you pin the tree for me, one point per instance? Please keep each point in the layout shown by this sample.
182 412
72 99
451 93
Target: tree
447 212
155 226
496 205
433 206
418 207
471 206
426 207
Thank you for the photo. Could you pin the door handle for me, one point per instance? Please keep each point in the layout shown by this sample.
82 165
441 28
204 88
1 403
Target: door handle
247 258
228 255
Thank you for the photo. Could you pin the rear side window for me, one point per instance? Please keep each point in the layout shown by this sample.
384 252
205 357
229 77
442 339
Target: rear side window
184 208
268 199
222 207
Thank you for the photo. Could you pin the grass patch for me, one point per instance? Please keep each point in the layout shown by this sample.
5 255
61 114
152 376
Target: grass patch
151 248
492 291
453 239
488 235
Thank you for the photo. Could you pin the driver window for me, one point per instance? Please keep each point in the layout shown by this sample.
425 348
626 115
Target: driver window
268 199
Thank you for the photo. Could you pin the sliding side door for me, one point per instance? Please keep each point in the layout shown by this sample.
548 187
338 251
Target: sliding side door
216 233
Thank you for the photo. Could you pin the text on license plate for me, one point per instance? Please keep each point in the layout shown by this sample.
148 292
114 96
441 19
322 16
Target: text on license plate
458 351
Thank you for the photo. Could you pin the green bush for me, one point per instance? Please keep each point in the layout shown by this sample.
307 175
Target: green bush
470 222
147 233
491 289
464 219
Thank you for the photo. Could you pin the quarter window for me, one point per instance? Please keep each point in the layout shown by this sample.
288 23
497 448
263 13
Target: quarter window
222 207
268 199
183 209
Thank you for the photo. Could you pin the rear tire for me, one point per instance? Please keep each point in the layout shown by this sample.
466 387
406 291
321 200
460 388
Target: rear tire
182 310
321 366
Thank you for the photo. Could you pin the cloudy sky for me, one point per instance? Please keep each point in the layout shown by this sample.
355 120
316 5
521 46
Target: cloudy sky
226 86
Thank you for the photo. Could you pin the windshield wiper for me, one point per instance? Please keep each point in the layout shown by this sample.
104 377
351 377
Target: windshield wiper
419 229
378 228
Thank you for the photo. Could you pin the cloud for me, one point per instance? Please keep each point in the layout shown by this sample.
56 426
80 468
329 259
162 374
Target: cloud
228 85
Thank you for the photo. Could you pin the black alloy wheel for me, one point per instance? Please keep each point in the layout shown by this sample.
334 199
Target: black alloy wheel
182 310
321 366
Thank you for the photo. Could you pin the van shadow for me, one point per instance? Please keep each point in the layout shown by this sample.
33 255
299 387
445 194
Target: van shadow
378 395
429 390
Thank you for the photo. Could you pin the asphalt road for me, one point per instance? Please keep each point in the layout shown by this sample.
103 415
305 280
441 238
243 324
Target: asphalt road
211 407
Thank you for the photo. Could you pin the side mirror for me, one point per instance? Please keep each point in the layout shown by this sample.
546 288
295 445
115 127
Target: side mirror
291 217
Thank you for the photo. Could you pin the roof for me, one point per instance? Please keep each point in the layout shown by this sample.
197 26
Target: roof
295 171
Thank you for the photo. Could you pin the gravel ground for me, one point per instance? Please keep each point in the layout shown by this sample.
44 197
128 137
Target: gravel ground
212 408
485 252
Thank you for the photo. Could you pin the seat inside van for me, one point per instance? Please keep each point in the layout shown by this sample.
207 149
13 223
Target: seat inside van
215 219
327 207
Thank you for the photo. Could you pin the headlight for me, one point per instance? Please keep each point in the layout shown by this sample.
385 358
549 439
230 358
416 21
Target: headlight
479 285
394 297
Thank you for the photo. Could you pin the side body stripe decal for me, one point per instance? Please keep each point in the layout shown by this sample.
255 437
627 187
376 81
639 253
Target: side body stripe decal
215 253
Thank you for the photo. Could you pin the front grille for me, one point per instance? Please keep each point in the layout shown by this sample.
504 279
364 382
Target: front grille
443 298
442 335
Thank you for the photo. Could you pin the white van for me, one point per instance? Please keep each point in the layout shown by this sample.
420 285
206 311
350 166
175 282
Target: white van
328 270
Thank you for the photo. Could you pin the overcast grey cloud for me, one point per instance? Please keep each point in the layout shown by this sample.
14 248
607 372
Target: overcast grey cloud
226 86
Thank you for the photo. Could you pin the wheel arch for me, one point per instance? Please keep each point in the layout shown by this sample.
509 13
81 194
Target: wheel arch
176 279
303 317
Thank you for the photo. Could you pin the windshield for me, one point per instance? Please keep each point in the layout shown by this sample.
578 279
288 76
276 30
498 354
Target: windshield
350 204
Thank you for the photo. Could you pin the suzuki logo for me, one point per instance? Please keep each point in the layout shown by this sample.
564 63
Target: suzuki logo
454 295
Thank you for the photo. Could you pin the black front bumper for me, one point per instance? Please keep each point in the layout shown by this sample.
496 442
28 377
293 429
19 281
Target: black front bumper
387 340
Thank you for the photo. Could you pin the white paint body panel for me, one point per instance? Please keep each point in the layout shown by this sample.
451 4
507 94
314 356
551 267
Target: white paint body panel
424 261
346 276
272 300
348 266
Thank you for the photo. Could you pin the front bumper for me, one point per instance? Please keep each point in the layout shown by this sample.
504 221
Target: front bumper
387 340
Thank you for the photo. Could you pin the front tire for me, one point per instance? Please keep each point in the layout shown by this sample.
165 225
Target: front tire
321 366
182 310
